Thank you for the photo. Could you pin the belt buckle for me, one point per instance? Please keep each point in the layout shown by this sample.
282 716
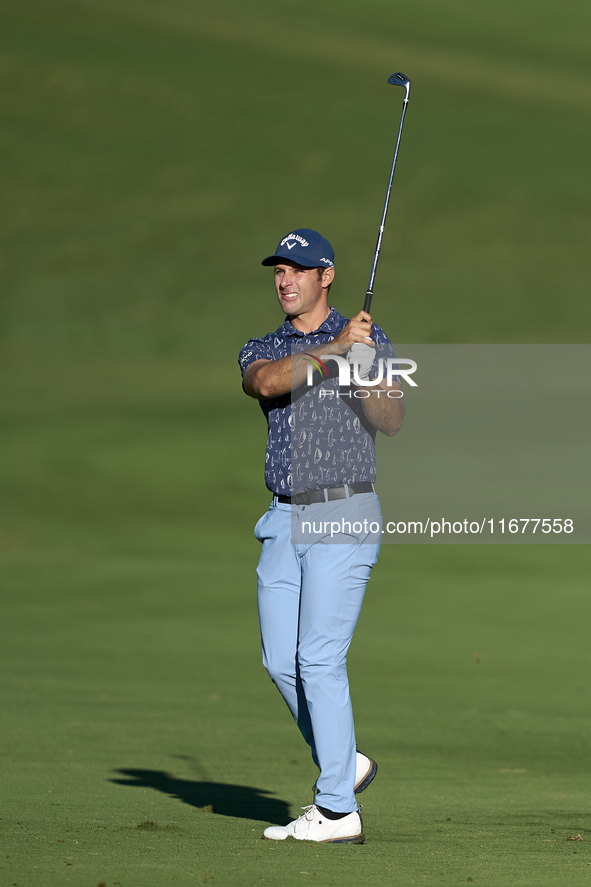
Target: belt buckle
305 497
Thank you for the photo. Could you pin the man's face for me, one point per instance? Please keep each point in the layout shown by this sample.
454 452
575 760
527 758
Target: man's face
300 289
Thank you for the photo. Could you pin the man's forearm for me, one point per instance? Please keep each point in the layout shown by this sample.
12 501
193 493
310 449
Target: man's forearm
272 378
385 411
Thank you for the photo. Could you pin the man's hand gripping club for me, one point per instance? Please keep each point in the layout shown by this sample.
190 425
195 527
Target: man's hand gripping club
361 352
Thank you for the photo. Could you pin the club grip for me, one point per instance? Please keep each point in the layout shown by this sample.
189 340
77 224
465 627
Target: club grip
367 303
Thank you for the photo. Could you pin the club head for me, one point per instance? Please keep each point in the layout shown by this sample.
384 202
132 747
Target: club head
400 79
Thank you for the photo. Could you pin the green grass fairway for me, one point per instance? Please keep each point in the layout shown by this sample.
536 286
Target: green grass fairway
134 701
152 153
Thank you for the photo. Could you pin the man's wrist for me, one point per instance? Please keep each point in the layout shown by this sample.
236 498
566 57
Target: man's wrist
333 347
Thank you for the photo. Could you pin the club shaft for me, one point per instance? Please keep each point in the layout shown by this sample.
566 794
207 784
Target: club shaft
369 294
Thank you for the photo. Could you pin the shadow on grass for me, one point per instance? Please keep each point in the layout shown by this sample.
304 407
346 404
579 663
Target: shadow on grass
225 799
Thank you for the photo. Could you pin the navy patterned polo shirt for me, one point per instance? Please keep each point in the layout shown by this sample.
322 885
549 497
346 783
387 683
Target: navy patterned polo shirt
317 437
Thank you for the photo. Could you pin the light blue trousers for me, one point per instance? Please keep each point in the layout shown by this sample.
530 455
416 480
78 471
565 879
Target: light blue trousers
309 597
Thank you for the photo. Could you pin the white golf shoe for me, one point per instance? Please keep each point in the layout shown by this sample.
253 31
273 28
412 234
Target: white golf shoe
365 770
312 825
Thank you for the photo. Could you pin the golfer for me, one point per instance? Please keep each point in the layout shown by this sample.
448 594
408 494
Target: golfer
320 468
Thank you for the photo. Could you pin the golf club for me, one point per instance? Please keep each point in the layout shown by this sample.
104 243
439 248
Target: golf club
397 79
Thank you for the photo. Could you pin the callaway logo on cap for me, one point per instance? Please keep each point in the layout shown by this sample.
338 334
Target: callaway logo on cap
305 247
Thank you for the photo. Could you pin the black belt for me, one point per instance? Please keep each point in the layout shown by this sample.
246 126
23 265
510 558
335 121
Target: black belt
310 497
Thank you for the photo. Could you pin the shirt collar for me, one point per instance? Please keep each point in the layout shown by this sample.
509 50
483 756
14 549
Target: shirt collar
333 324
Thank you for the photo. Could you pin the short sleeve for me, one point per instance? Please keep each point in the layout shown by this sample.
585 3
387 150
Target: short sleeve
384 347
383 343
255 349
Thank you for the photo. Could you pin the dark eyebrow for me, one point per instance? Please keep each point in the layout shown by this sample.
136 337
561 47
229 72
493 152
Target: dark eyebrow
293 265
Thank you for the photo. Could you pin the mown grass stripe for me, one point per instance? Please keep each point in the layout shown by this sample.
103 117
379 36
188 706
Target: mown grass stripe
488 75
